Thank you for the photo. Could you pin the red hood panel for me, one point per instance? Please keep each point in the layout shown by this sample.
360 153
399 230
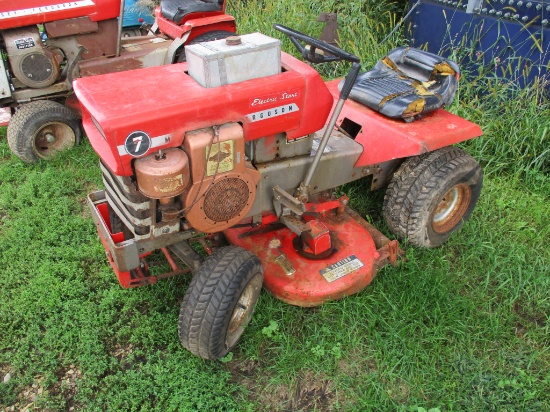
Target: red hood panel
165 102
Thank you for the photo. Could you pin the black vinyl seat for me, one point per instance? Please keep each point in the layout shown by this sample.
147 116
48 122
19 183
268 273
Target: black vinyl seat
406 83
176 10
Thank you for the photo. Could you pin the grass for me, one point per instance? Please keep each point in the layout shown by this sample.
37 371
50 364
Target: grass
461 327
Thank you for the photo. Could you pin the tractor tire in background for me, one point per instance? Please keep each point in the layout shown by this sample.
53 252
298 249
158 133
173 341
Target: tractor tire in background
41 129
210 36
432 195
219 302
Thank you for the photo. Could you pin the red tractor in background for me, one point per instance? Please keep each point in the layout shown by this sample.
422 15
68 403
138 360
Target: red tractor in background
45 44
252 144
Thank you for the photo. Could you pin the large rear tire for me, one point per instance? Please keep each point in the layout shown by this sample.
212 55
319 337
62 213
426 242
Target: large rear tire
219 302
210 36
42 129
432 195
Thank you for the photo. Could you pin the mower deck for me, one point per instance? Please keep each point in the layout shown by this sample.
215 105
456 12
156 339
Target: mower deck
301 281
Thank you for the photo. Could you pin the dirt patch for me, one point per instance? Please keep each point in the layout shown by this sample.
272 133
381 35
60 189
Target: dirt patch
308 391
66 385
28 396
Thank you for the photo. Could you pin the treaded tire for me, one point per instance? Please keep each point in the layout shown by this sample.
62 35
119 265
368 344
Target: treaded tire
432 195
220 302
210 36
30 124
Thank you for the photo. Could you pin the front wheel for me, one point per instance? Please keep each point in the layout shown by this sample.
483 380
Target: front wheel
432 195
41 129
219 302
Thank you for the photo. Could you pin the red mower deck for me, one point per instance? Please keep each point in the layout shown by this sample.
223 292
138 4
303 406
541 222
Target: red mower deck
301 281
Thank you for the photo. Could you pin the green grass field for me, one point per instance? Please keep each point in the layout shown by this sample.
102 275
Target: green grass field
464 327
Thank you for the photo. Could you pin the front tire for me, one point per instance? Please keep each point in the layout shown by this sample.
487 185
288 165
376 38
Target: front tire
432 195
41 129
219 302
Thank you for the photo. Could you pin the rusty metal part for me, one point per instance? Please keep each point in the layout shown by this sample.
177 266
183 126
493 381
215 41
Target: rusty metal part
169 258
226 199
387 254
102 42
140 53
186 254
53 137
169 209
141 276
387 250
330 31
336 168
164 174
124 254
70 27
205 245
451 208
379 238
233 40
223 184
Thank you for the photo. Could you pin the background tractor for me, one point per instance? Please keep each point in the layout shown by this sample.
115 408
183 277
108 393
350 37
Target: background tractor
45 44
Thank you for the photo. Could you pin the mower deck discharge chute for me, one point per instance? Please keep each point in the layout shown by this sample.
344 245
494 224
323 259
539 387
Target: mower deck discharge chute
251 142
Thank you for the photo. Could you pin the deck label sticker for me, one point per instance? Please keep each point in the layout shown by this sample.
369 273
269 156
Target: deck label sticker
341 268
273 112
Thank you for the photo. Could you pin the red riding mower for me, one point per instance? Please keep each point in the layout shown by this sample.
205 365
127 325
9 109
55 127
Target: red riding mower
45 44
242 144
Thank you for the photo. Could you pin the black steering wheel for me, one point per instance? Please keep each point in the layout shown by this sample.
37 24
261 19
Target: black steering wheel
334 54
310 53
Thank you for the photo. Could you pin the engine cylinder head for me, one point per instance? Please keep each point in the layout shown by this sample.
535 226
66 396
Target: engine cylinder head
164 174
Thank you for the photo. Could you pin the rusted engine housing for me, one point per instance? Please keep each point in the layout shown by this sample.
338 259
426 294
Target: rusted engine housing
223 186
163 175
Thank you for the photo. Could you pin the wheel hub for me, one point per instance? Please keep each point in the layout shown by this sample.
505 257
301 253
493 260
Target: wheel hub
451 208
53 137
243 310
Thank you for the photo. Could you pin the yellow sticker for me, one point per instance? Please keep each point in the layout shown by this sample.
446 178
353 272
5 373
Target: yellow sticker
220 157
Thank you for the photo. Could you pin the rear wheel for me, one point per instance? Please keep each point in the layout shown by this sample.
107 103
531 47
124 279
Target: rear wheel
210 36
41 129
219 302
432 195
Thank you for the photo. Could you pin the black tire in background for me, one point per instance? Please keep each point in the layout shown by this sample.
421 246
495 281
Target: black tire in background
41 129
432 195
210 36
219 302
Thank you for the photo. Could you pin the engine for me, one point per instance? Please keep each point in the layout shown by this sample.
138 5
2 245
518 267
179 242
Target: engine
206 185
32 63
